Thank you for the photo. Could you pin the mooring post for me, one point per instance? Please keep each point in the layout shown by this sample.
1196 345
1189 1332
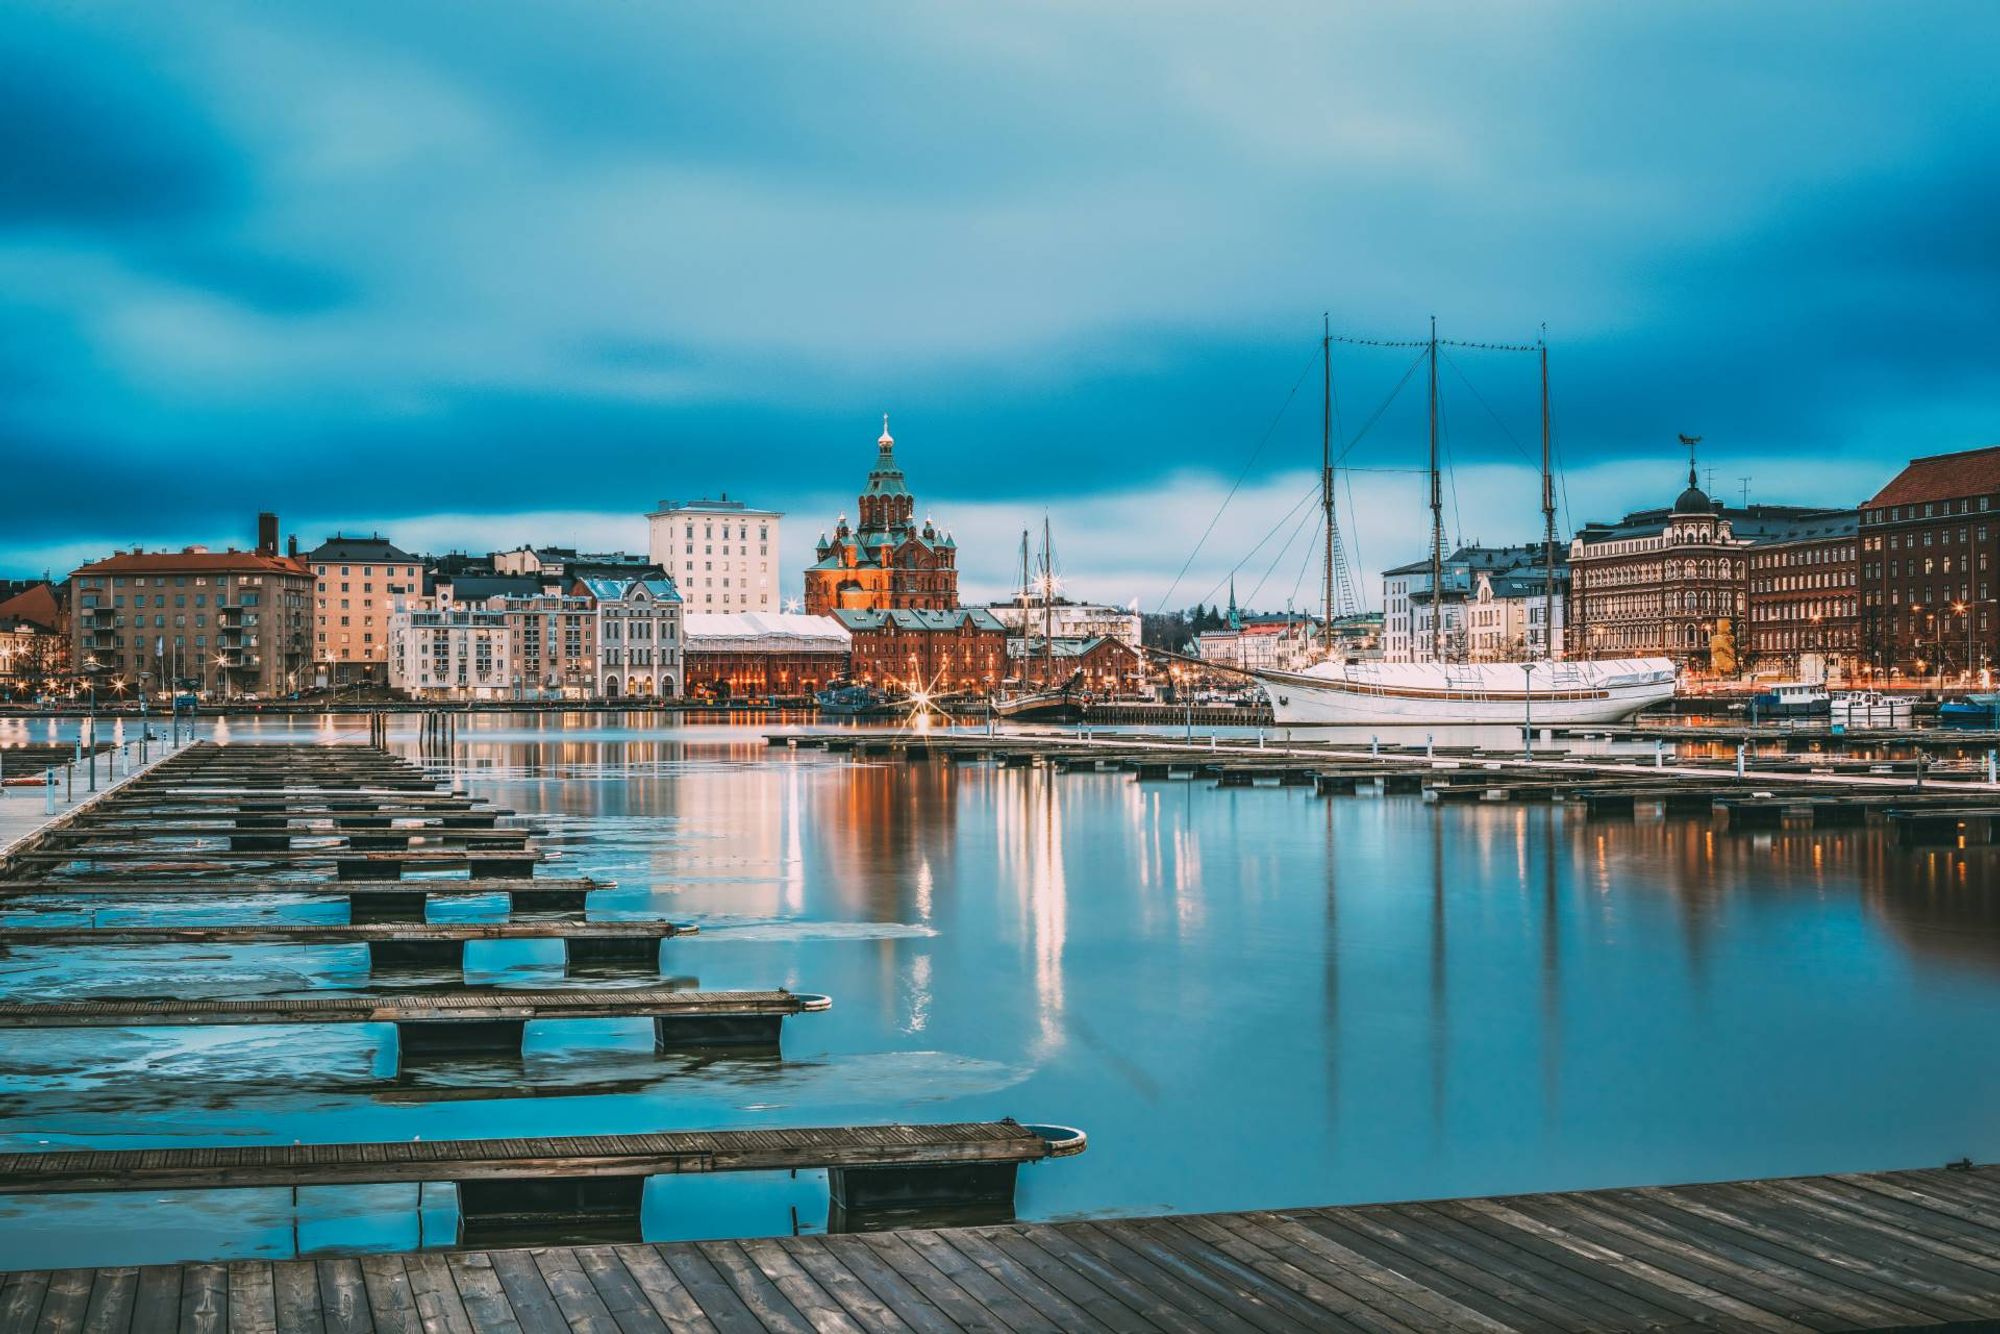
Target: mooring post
69 781
1430 746
1993 766
49 791
1742 747
1374 747
1659 753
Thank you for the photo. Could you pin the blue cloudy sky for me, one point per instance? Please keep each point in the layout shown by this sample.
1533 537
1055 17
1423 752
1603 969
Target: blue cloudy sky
483 273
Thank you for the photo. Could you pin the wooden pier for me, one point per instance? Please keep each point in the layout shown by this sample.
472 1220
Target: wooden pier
1910 800
1896 1250
220 823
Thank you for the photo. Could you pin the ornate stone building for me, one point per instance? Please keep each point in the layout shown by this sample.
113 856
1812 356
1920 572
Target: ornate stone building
1674 582
886 562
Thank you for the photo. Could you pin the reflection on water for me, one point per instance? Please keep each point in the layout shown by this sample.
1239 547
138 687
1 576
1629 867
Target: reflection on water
1248 997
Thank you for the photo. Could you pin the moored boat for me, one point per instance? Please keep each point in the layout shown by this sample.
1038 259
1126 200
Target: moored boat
1792 699
1548 692
1869 708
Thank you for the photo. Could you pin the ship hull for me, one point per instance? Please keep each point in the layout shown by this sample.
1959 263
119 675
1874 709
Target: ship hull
1429 696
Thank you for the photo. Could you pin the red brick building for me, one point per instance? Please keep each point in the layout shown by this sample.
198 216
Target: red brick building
886 561
1805 599
231 622
1100 666
1929 541
961 649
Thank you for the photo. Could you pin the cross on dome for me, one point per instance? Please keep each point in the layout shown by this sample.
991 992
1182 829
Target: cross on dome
885 440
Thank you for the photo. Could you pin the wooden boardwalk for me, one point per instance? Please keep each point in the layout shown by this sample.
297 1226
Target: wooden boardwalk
498 1003
1900 1250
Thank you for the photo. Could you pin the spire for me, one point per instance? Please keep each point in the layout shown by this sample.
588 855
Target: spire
1235 617
886 442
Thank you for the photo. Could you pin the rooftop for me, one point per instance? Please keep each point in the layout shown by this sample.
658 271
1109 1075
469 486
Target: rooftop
1971 472
906 618
195 560
375 548
706 506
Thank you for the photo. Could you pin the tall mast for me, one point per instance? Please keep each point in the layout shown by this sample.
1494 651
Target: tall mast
1437 511
1048 607
1326 473
1548 514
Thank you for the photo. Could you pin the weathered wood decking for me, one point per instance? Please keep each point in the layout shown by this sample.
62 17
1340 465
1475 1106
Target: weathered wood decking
68 1171
456 1007
1900 1250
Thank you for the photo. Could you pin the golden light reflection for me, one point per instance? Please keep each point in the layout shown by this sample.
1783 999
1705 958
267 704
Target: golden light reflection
1029 844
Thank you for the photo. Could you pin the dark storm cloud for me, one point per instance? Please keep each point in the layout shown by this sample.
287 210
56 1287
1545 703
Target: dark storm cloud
378 258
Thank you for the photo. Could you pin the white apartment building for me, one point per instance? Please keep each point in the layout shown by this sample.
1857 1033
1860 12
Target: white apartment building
466 652
640 644
722 555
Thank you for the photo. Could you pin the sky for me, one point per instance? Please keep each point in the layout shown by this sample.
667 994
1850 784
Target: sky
473 275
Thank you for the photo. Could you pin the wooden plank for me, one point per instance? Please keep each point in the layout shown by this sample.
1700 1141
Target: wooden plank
156 1306
479 1291
344 1298
64 1304
719 1301
295 1292
1203 1262
440 1310
1890 1275
573 1291
808 1297
251 1301
962 1305
766 1302
662 1289
1719 1266
1652 1283
1355 1276
113 1295
498 1003
527 1293
1778 1252
839 1282
1020 1303
1058 1293
1141 1269
1410 1247
618 1291
1157 1308
205 1299
390 1302
911 1305
1583 1292
21 1295
1105 1305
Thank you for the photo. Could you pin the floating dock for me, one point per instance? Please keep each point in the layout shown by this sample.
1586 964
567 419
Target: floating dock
1896 1250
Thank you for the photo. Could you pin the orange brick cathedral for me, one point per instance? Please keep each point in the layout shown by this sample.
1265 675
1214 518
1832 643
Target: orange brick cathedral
885 562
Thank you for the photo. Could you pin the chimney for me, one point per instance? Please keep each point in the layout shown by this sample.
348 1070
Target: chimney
267 534
292 546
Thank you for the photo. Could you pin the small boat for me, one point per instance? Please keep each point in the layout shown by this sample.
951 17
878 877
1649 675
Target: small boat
854 701
1973 711
1869 708
1041 706
1793 699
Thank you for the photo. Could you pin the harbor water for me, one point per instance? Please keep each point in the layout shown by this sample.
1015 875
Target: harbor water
1248 997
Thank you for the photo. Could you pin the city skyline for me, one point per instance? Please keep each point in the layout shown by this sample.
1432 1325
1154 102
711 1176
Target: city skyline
342 267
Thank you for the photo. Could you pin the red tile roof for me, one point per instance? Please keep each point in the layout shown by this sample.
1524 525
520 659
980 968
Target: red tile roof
196 562
1973 472
37 604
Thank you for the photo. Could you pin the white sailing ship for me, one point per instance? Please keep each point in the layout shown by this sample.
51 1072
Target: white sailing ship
1548 690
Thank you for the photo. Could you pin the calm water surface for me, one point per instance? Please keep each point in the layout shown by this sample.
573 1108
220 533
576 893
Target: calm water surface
1248 997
